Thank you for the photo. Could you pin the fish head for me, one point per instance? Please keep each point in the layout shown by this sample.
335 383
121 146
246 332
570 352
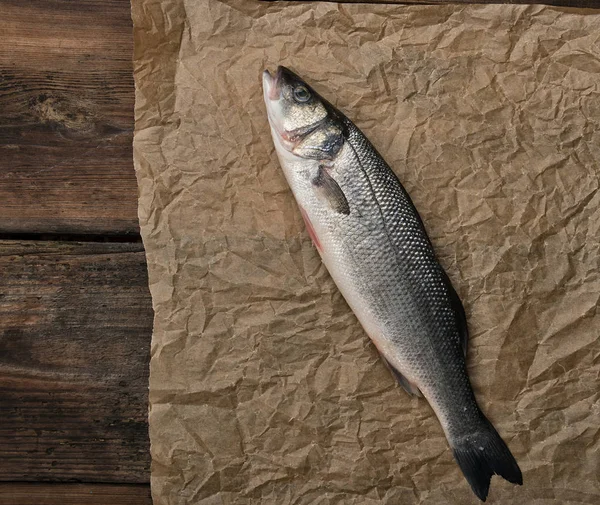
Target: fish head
302 122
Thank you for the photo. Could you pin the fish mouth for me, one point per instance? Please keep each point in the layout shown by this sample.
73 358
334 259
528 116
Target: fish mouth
272 84
297 135
273 102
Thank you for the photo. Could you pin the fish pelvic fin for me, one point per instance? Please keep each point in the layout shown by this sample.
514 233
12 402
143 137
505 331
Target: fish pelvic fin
482 454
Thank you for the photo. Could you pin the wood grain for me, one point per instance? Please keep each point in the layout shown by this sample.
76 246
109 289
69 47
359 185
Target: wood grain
66 117
74 494
75 327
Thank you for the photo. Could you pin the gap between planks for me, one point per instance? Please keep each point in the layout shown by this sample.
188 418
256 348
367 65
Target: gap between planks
72 237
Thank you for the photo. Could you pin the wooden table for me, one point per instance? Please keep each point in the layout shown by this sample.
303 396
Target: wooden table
75 312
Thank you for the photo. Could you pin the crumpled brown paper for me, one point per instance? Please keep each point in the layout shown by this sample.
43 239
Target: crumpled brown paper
590 4
264 389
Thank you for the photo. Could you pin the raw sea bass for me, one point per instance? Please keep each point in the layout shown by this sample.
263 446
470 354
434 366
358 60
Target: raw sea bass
373 243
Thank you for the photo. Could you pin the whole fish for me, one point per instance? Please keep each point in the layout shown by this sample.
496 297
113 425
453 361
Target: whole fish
374 245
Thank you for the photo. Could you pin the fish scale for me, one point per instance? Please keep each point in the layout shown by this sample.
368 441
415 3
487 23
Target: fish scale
374 245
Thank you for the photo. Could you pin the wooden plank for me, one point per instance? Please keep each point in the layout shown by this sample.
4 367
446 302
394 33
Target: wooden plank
74 494
75 328
66 117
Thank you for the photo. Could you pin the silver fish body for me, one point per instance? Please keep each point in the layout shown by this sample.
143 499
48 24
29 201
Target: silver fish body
374 245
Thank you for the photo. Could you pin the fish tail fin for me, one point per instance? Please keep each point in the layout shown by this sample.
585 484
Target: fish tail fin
482 454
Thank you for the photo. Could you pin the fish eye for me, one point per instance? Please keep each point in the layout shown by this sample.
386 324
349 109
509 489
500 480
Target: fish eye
301 94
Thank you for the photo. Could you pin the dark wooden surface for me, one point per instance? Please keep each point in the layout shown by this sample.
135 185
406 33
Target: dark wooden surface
75 312
75 320
73 494
66 117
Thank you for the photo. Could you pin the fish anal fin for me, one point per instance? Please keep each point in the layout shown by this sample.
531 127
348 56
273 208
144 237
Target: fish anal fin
329 190
408 386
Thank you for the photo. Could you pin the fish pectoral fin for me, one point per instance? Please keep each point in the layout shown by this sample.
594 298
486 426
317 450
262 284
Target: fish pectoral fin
330 191
408 386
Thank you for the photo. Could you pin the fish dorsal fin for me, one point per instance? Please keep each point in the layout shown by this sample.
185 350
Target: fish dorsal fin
408 386
459 312
330 191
